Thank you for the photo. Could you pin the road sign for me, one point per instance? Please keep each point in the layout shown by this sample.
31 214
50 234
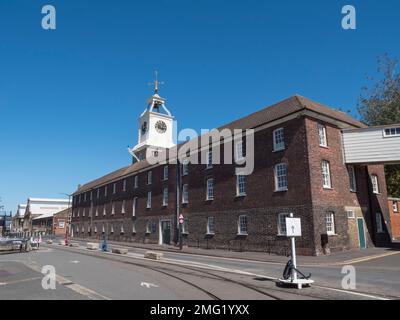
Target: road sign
293 227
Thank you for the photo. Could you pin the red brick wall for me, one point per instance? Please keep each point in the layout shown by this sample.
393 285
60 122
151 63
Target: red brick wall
395 219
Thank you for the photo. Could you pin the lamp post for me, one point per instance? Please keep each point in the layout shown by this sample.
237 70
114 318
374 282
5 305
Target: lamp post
67 229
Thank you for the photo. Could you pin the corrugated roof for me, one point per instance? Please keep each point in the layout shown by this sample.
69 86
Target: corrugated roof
279 110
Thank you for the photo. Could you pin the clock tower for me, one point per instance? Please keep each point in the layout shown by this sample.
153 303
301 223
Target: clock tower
155 127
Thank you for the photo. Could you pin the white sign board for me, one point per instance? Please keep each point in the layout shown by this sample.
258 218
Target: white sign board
293 227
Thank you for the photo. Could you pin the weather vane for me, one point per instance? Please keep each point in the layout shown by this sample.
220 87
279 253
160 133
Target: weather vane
156 83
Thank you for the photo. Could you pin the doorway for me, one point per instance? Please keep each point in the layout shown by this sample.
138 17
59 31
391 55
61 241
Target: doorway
361 233
165 232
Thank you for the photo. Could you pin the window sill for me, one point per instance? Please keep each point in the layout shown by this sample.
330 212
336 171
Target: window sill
210 234
208 168
377 193
209 200
324 147
281 190
279 150
241 195
164 206
353 191
242 234
332 234
327 188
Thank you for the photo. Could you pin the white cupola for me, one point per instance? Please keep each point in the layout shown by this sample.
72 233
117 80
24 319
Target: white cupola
155 127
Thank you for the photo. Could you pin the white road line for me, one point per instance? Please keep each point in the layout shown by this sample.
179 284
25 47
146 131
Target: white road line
229 270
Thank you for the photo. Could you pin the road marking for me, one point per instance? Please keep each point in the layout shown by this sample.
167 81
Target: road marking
148 285
19 281
353 292
74 261
369 258
92 295
217 268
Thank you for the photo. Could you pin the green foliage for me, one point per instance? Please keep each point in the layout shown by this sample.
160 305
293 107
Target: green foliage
380 105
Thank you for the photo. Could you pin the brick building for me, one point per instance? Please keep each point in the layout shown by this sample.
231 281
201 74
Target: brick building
298 168
394 209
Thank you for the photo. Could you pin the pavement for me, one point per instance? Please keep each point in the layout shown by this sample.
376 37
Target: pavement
337 258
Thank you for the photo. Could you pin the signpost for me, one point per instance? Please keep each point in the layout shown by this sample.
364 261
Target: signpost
293 230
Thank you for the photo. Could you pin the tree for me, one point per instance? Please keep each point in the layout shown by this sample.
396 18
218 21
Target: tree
380 105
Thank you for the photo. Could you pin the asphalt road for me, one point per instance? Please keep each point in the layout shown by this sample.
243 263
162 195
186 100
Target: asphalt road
377 276
84 274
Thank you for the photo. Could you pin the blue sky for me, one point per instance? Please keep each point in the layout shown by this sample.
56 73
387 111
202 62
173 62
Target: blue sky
70 98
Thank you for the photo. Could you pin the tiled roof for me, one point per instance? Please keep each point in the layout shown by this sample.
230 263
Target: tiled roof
279 110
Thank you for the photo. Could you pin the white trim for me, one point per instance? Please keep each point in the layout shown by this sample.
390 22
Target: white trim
278 134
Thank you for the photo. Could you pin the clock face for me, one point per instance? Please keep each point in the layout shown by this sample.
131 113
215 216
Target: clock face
144 127
161 127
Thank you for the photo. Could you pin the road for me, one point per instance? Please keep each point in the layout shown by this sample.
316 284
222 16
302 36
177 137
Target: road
84 274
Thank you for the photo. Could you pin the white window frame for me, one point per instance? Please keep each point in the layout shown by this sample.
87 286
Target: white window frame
134 206
112 208
351 214
395 206
123 209
209 231
326 174
148 227
241 185
240 220
105 191
104 210
375 183
124 185
379 222
282 224
391 132
185 193
352 178
149 177
122 231
148 201
209 159
165 173
185 226
239 152
210 189
136 182
114 187
185 167
330 223
165 196
322 137
279 139
97 211
279 177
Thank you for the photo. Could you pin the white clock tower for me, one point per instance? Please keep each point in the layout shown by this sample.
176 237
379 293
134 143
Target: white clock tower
155 132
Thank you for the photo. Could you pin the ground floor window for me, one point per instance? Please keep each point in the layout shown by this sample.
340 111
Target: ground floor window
210 225
330 223
242 225
282 223
379 224
185 226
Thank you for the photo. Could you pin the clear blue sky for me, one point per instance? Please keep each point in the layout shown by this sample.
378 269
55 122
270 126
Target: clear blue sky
70 98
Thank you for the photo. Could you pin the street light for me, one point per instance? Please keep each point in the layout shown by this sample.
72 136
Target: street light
67 229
